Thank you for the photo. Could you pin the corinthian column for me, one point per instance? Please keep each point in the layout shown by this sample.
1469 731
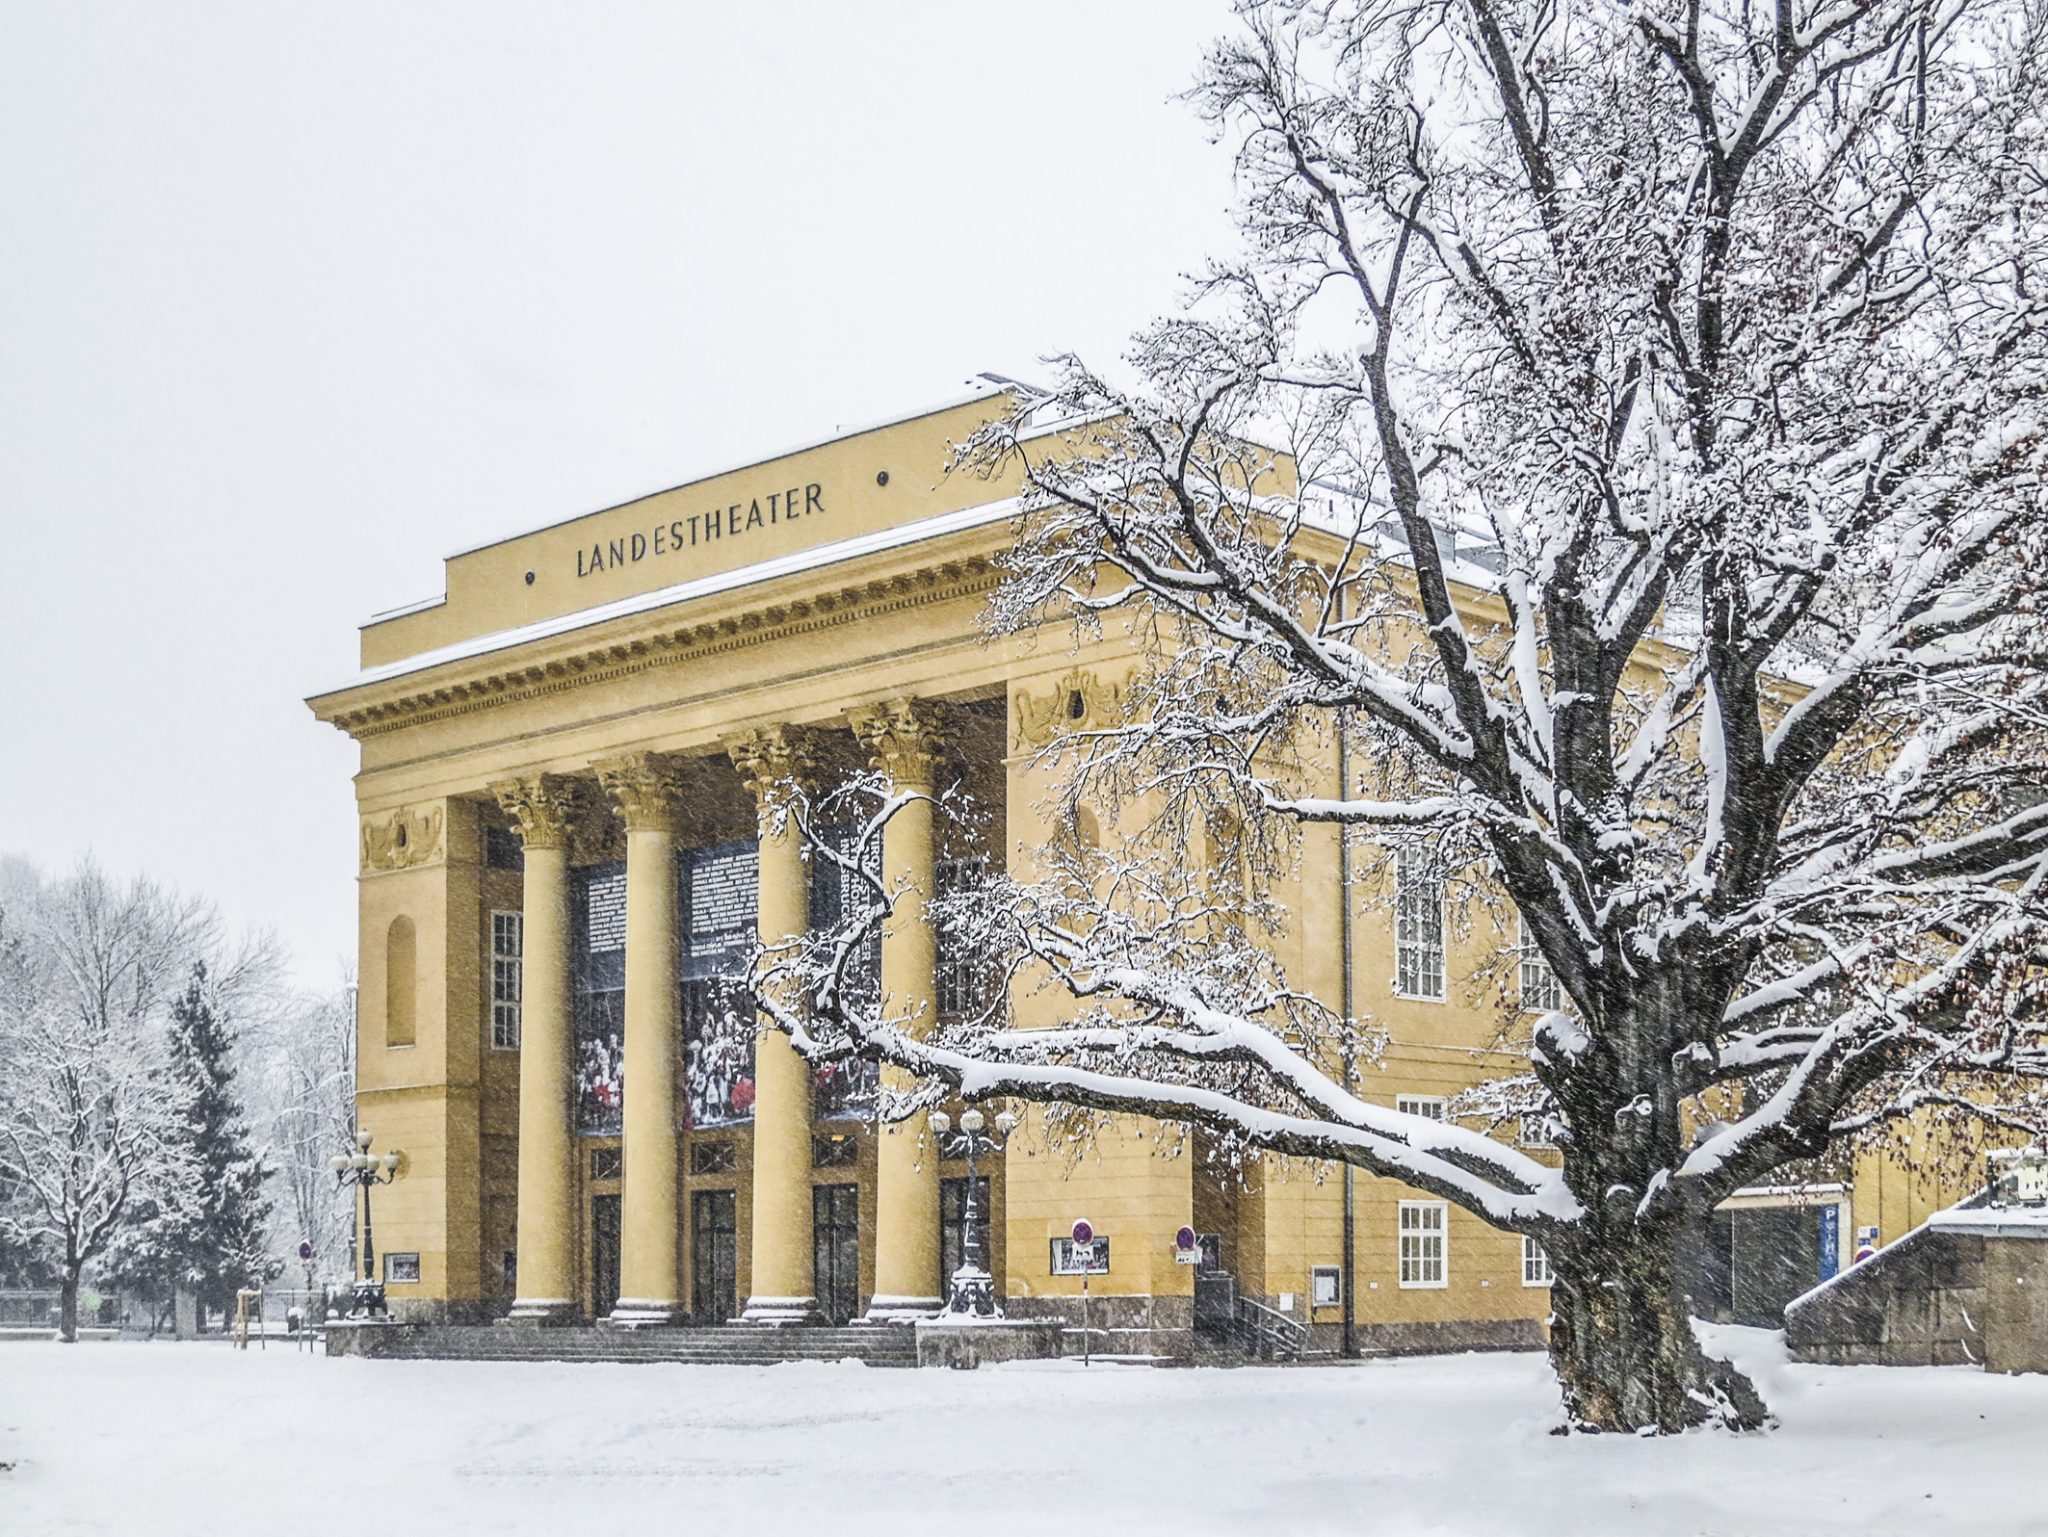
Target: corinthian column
545 808
645 787
906 739
771 760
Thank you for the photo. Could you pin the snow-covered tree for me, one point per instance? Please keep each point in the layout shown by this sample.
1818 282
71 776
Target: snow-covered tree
89 1123
1660 520
308 1091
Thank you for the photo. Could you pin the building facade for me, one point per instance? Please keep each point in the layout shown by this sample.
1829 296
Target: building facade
563 853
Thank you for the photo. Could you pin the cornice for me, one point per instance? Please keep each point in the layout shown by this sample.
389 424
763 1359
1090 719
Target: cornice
606 661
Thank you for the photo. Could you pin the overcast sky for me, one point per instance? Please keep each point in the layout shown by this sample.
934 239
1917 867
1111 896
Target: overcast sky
297 299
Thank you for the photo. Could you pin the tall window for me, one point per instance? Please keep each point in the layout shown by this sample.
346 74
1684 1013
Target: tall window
1535 1263
508 943
962 985
1540 992
1418 926
953 1224
1422 1235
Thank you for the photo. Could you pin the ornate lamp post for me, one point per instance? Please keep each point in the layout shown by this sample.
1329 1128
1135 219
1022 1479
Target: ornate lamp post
972 1290
364 1168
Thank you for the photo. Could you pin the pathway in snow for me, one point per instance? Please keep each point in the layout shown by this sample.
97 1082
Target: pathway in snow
164 1440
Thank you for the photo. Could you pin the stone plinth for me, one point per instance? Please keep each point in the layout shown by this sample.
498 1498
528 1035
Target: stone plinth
1968 1288
368 1336
965 1345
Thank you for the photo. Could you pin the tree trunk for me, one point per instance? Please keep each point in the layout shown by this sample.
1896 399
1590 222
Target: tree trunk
67 1308
1622 1344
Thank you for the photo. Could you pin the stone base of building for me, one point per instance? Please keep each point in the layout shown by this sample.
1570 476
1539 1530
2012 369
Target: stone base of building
964 1346
715 1345
372 1337
445 1311
1423 1339
1156 1328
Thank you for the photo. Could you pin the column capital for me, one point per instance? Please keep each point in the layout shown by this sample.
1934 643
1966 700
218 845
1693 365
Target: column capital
771 757
646 787
910 740
546 807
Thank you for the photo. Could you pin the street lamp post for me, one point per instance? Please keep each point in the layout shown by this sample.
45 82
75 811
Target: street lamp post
363 1169
971 1291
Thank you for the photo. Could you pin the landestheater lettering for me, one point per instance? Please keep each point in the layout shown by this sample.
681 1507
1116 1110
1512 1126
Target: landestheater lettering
728 522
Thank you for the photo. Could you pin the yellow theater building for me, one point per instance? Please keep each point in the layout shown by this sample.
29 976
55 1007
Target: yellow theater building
562 855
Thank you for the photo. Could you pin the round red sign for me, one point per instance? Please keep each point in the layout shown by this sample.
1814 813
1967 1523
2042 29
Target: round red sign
1184 1240
1083 1233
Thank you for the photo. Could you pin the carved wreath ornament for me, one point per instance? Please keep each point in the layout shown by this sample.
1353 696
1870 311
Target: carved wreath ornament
401 840
1080 701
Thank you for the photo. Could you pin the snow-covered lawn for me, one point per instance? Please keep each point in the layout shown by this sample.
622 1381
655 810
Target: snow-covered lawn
161 1440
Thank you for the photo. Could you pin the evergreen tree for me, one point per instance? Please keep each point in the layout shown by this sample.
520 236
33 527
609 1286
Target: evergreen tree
214 1242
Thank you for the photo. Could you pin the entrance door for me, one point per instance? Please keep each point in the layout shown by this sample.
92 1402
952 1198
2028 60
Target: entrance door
1775 1254
835 1250
604 1253
714 1252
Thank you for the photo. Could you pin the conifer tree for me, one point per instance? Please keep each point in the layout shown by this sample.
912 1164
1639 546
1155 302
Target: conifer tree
214 1241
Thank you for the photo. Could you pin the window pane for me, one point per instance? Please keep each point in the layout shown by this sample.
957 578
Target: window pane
1418 926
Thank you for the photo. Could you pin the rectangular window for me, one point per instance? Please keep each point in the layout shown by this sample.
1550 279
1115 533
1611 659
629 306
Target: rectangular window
835 1152
606 1162
1435 1106
953 1224
714 1157
401 1269
1540 992
1418 926
1534 1131
1422 1234
962 987
508 945
1535 1263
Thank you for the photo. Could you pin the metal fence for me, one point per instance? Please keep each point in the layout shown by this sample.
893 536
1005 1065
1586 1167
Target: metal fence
29 1309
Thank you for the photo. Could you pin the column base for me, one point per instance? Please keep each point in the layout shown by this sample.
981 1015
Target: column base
780 1312
544 1313
900 1310
640 1313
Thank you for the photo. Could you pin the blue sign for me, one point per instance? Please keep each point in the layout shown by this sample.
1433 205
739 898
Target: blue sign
1830 1240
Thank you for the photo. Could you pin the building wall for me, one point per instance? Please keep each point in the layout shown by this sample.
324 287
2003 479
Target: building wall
799 644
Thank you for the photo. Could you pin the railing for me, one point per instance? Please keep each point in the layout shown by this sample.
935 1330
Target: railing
33 1309
1269 1334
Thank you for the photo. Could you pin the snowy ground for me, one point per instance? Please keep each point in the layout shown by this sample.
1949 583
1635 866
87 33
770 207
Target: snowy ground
162 1440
